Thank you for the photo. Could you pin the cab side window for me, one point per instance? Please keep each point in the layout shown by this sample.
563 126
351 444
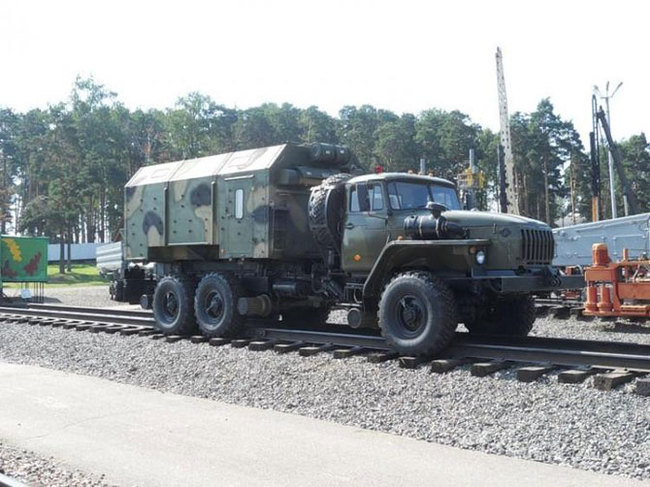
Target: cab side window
394 197
376 196
354 199
366 197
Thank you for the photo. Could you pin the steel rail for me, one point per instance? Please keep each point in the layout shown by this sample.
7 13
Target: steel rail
79 309
555 356
87 314
370 341
557 351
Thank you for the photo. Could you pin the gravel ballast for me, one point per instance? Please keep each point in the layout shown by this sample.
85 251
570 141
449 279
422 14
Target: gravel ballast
574 425
34 470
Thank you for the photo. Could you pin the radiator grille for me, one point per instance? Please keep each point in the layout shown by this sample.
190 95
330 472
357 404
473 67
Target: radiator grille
537 246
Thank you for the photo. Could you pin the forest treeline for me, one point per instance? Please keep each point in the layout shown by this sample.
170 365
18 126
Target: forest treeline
63 167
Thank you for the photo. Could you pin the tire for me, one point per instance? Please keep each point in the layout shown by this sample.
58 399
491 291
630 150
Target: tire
306 316
326 210
417 314
173 306
215 305
514 316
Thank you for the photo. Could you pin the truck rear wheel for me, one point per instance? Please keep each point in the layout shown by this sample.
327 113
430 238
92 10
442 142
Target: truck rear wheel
215 305
417 314
512 316
173 306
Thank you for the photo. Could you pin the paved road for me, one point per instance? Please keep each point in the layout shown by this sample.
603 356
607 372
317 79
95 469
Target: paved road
143 437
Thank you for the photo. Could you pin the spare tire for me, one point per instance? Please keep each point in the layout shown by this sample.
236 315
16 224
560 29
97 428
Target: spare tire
327 210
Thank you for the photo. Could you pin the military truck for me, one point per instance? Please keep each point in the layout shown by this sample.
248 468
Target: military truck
290 232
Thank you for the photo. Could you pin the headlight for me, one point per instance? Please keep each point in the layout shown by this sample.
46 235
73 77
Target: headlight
480 257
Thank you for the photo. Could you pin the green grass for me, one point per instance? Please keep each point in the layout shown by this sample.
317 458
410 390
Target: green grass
81 275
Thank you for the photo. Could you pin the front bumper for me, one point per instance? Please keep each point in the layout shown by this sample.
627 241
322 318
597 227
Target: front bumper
507 282
514 284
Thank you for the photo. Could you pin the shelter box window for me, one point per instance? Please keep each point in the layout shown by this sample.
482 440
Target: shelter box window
239 204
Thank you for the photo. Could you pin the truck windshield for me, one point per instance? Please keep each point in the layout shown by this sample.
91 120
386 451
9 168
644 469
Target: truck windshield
407 196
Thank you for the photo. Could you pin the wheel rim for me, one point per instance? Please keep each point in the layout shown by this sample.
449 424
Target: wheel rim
213 306
170 306
410 315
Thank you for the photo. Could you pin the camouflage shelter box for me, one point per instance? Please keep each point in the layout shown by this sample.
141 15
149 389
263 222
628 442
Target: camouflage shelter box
24 259
246 204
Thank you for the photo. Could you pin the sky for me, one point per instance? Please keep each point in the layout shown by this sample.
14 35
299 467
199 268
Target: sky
405 56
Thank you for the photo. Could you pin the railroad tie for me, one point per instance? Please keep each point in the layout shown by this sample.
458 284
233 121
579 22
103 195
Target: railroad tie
482 369
173 338
157 336
113 328
575 376
348 352
308 351
130 330
576 311
643 387
533 372
560 312
408 362
541 309
198 339
379 357
583 317
146 332
441 366
218 341
611 380
97 327
261 345
288 347
240 343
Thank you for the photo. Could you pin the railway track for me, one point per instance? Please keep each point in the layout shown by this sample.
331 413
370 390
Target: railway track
570 361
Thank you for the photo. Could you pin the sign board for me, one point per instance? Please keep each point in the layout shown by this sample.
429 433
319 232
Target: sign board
23 259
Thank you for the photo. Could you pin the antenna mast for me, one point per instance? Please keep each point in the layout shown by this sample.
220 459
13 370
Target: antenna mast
511 190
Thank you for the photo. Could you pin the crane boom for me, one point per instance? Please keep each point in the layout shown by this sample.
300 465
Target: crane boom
618 162
511 190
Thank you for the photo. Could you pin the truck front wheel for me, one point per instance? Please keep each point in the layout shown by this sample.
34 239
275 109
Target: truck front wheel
417 314
215 305
512 316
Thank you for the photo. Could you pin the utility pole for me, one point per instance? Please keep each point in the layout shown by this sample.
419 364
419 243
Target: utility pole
610 159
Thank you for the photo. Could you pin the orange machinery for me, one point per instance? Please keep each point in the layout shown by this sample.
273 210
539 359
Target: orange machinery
617 288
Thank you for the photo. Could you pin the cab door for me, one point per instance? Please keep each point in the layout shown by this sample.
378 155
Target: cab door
364 231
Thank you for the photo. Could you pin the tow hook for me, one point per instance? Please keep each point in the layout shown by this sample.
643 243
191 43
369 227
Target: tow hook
551 276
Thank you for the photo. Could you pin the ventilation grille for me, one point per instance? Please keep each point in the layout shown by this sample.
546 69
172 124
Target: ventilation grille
537 246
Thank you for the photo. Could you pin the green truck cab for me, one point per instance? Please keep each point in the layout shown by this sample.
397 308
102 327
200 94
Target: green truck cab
290 232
